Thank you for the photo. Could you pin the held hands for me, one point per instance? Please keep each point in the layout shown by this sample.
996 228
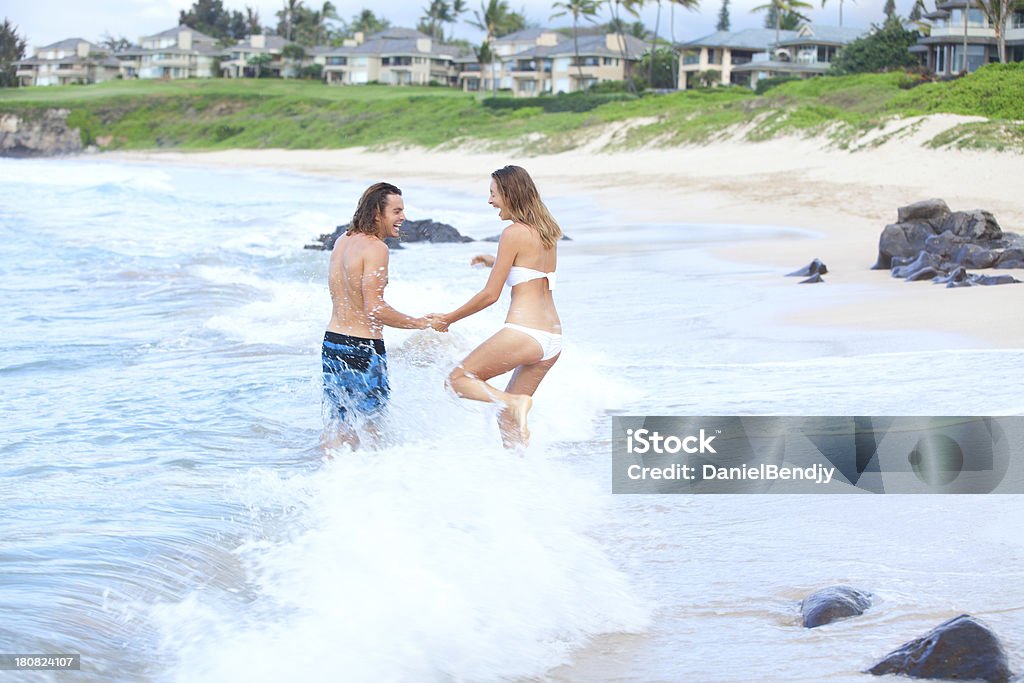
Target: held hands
437 322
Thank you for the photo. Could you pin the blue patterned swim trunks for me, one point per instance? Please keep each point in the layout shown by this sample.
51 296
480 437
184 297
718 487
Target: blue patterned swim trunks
355 375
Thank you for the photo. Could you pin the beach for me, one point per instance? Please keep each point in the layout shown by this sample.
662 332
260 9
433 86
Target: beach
842 198
172 517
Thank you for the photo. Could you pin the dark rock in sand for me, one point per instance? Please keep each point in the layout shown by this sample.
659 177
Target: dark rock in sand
911 270
972 225
901 239
832 604
972 239
815 267
929 209
412 231
814 279
1013 257
959 277
960 649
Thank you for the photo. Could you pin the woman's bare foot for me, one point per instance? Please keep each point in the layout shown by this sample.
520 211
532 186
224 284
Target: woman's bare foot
518 406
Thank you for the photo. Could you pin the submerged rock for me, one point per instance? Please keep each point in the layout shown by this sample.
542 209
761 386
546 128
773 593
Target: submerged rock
959 649
832 604
412 231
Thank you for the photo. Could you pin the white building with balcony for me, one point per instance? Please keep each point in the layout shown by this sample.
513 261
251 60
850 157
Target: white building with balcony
180 52
958 21
66 62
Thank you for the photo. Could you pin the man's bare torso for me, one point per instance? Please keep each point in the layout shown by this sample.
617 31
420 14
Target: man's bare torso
345 279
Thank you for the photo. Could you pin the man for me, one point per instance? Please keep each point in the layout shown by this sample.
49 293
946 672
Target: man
354 358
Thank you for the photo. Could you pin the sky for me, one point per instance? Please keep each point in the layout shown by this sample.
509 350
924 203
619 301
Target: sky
43 22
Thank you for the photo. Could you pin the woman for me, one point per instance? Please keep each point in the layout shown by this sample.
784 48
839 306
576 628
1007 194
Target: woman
531 340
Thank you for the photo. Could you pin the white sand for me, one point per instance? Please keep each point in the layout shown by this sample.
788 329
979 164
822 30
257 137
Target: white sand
847 197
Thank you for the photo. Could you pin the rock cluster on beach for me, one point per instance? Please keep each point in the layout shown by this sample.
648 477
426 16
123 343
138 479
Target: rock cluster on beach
930 242
962 648
412 231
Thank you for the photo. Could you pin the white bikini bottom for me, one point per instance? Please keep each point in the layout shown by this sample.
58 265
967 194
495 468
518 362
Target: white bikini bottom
550 343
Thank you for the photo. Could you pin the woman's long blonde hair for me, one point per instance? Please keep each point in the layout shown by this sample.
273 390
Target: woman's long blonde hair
522 201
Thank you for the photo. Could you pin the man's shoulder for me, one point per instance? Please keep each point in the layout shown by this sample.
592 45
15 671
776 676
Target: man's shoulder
359 243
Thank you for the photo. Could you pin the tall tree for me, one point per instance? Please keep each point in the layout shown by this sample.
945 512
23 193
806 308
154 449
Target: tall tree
320 17
916 12
884 49
113 44
841 9
615 8
12 48
286 19
781 8
252 21
367 22
889 9
586 9
433 16
998 13
458 8
723 17
485 56
496 19
209 17
688 4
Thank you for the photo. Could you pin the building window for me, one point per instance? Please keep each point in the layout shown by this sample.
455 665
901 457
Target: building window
1018 19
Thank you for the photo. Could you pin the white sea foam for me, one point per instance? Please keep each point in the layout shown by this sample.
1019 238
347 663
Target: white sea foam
421 563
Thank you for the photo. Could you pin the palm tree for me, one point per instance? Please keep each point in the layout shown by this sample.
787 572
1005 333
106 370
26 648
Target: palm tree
291 8
457 7
492 18
327 11
998 12
577 8
485 56
252 21
433 16
783 7
688 4
615 7
840 9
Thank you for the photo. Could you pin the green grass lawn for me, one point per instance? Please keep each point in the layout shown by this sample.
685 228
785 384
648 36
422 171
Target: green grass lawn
266 113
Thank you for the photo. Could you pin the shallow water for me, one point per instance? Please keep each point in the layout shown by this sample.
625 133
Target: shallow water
165 511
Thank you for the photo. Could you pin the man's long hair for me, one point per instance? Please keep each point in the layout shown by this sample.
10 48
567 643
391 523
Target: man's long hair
371 205
523 203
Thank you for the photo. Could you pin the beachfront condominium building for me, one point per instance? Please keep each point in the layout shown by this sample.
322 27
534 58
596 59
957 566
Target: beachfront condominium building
244 59
942 50
67 62
396 56
537 61
180 52
745 57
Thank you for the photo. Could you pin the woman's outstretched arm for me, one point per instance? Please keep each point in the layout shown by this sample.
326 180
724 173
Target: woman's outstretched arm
513 239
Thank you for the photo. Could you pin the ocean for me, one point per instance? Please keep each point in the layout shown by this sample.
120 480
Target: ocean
166 512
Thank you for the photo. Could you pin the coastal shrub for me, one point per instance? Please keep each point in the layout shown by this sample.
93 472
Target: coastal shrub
766 84
87 123
575 102
884 49
993 91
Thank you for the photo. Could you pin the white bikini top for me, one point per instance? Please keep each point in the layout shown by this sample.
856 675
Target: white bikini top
517 275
